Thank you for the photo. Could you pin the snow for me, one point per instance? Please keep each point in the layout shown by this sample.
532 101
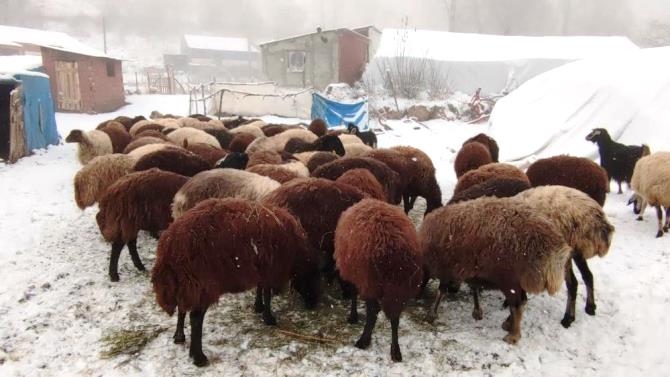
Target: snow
51 39
554 112
20 64
202 42
58 303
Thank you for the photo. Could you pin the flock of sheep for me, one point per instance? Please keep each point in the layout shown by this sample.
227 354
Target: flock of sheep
241 204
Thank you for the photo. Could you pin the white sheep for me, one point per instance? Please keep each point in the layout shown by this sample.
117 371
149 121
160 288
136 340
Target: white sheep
356 150
251 128
277 142
91 144
193 136
651 183
93 179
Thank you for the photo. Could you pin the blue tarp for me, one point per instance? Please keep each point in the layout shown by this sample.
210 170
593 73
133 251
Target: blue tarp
38 112
338 114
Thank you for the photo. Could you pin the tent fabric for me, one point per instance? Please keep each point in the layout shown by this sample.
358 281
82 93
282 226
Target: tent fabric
38 112
258 99
337 115
551 114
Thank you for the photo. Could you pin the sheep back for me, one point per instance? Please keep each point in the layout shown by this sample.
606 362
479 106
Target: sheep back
193 136
471 156
273 129
497 187
318 127
176 160
651 179
264 157
207 152
489 171
90 144
93 179
424 182
276 172
364 181
488 141
118 136
241 141
317 159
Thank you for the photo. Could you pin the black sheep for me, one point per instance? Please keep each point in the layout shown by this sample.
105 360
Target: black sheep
369 138
616 158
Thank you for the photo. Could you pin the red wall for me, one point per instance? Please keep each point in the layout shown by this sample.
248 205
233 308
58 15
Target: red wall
353 57
99 93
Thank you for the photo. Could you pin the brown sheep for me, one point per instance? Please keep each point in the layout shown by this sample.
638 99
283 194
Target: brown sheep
264 157
240 142
230 246
363 180
424 183
150 133
145 126
176 160
497 187
317 204
118 135
318 127
142 141
471 156
207 152
500 243
377 250
405 167
388 178
320 158
273 129
576 172
488 141
326 143
489 171
276 172
137 201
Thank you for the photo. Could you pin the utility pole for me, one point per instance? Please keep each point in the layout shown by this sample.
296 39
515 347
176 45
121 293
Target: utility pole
104 34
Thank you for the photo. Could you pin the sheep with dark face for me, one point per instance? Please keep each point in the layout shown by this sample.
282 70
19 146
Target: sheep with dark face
423 183
471 156
318 127
368 137
90 144
326 143
488 141
576 172
233 160
377 250
176 160
616 158
230 246
137 201
500 243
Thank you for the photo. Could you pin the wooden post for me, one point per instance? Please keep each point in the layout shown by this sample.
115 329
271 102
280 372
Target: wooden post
220 103
204 106
395 98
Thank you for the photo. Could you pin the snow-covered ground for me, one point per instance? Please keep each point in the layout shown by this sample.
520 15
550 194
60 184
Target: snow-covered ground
57 304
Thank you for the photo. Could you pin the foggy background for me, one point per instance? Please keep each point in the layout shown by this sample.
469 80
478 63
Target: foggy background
144 29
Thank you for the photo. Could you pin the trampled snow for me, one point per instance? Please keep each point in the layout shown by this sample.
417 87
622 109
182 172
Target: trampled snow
57 303
552 113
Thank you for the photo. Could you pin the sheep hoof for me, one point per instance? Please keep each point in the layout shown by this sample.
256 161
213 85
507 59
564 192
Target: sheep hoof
512 338
114 277
258 308
477 314
639 218
395 353
200 360
363 343
453 287
567 320
507 325
179 338
659 234
590 309
269 319
666 229
352 318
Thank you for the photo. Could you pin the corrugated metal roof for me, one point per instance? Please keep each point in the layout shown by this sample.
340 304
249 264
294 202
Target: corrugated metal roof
316 32
203 42
49 39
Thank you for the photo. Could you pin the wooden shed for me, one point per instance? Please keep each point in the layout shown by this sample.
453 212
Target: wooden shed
316 59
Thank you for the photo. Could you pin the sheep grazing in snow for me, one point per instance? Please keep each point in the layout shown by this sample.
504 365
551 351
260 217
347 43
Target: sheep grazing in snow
118 136
377 250
90 144
405 167
278 142
349 139
617 159
368 137
233 160
234 122
584 227
356 149
230 246
193 136
471 156
319 158
275 172
150 133
144 150
576 172
221 183
500 243
176 160
488 141
144 125
388 178
241 141
489 171
251 128
423 183
207 152
273 129
264 157
651 183
137 201
363 180
318 127
143 141
496 187
223 136
326 143
93 179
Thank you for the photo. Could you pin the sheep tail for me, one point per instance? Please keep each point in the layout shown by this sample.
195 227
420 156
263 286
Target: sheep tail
645 150
554 269
164 280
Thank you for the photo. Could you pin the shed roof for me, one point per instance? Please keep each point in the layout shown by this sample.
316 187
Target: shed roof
338 30
20 64
203 42
49 39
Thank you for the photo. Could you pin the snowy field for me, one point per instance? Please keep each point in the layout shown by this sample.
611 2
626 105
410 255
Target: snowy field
58 307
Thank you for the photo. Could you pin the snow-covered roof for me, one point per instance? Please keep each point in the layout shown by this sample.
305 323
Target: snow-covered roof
50 39
20 64
446 46
312 33
553 112
201 42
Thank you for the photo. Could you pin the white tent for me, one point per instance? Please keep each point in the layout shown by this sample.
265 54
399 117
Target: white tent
552 113
492 62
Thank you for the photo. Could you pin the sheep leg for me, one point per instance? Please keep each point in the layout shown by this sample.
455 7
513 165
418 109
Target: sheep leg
268 317
117 246
353 312
424 283
587 276
348 289
659 215
405 202
371 311
666 228
395 347
619 183
258 305
195 351
477 310
516 311
132 248
571 284
440 293
179 337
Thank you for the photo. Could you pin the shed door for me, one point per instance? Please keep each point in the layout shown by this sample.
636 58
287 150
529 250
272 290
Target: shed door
67 81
